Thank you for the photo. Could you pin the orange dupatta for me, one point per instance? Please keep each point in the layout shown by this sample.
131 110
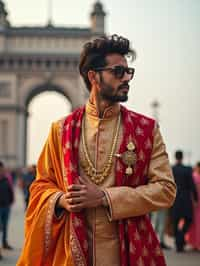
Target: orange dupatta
44 232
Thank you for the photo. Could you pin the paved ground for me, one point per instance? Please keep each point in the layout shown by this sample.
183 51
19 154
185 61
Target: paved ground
16 239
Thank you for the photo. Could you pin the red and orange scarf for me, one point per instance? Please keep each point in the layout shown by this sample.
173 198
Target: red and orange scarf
138 242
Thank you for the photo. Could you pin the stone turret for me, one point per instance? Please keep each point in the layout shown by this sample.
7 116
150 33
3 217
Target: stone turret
98 18
3 15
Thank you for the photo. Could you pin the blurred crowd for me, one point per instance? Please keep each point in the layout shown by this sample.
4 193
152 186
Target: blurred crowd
182 221
9 179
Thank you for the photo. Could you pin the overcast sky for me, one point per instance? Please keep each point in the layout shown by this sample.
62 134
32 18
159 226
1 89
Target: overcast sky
166 36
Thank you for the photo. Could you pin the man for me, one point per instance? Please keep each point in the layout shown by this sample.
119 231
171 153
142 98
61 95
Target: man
182 208
102 170
6 199
27 179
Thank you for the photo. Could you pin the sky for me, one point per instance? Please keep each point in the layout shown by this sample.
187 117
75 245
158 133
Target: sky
166 36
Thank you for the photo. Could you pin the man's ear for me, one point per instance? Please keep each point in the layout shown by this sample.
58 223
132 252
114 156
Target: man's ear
92 77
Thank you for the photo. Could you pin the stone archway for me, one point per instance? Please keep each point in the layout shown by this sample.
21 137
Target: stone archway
33 59
38 90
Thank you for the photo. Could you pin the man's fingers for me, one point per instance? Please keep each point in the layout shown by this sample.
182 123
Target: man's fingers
76 200
75 187
73 194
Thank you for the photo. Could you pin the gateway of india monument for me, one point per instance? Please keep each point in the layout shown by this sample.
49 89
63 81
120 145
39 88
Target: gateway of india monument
34 60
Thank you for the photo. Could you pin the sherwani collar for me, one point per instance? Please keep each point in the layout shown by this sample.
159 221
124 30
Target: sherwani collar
109 113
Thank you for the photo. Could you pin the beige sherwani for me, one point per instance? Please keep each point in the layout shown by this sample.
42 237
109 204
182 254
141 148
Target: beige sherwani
123 201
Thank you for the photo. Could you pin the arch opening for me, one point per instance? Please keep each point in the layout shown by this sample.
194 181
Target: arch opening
43 107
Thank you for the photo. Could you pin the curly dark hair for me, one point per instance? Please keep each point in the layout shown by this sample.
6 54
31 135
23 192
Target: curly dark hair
94 53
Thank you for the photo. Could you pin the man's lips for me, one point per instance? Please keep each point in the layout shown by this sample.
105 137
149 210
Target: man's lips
124 88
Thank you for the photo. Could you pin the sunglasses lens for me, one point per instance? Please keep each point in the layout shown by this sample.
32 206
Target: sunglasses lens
119 71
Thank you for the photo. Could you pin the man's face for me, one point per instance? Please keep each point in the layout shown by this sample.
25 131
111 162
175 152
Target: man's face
112 88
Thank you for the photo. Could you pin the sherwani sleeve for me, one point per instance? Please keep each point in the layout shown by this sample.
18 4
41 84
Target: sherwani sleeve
158 193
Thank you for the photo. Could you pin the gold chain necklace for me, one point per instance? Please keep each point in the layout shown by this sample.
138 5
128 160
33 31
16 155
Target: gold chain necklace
99 176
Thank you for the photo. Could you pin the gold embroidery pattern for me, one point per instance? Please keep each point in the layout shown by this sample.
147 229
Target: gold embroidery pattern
71 167
142 226
64 175
145 252
119 167
77 222
66 147
76 144
140 262
158 251
153 263
144 121
72 123
150 239
141 156
136 236
66 128
129 119
78 124
123 245
136 181
49 220
132 248
148 144
139 131
77 254
61 126
61 131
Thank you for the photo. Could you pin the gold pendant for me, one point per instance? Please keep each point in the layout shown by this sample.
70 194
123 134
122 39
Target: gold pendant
129 158
129 170
131 146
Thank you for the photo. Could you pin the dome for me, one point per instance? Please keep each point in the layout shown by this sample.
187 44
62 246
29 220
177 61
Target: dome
98 9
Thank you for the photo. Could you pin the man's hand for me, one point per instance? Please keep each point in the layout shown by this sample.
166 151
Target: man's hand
72 198
80 196
94 194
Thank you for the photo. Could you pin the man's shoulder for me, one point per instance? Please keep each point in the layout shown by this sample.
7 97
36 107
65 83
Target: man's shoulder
69 117
144 119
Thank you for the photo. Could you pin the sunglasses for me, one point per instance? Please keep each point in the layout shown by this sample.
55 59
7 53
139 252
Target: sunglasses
118 71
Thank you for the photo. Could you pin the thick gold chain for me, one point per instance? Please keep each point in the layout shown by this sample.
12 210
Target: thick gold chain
99 176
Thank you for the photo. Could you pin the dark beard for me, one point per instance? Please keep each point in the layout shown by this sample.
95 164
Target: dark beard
113 98
106 93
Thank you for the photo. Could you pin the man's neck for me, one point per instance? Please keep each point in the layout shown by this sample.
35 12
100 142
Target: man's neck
100 104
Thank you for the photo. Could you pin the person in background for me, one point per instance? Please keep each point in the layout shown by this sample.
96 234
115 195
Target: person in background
193 236
158 220
27 179
6 199
182 210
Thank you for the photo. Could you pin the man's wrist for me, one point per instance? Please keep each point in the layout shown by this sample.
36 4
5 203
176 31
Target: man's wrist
104 201
58 205
58 211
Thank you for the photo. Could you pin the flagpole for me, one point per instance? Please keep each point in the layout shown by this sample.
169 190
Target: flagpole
50 8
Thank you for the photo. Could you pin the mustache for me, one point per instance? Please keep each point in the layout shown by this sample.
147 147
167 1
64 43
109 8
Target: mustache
124 85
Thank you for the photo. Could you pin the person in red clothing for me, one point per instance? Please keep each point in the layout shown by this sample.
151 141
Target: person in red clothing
193 236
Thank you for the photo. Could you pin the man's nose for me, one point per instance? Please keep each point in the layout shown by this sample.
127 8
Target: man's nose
126 77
